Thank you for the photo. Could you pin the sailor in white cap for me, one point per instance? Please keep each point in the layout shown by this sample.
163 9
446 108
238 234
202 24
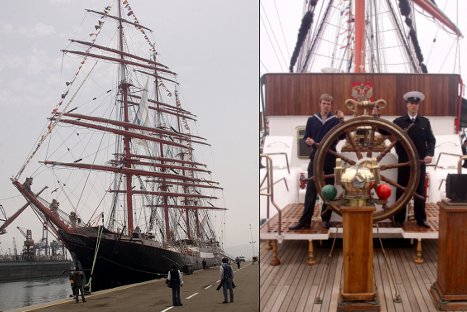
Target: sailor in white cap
422 136
414 96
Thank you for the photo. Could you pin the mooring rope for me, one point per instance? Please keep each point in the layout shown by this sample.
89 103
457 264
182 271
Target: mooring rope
100 230
397 297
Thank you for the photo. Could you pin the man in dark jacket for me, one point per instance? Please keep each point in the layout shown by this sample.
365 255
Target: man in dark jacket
424 141
316 128
227 276
78 280
175 281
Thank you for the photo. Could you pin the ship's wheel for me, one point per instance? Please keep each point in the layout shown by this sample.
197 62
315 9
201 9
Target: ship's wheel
366 138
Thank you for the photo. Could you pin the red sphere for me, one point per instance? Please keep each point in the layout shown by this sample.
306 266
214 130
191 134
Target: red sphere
383 191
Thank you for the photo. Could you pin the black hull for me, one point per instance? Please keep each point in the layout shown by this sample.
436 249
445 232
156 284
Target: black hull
123 261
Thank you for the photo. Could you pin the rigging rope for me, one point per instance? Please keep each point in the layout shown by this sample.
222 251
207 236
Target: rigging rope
282 29
325 276
273 34
100 230
53 122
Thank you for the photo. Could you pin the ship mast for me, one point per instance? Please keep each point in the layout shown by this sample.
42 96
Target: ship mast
359 58
124 86
164 187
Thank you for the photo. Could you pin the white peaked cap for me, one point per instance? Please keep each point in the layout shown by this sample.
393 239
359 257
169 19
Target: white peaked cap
415 95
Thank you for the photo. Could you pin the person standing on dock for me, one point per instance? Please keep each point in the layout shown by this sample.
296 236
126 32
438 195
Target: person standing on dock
422 136
77 280
237 260
227 276
316 128
204 264
175 281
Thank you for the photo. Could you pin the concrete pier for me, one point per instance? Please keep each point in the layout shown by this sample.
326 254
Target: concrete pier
198 294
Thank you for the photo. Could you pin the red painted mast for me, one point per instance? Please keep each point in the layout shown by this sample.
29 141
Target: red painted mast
434 11
126 139
17 213
359 59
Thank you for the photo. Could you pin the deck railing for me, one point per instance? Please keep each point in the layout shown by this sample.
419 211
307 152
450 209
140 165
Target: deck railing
447 154
269 189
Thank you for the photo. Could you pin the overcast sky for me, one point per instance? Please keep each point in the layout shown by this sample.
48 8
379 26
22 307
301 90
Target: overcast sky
212 45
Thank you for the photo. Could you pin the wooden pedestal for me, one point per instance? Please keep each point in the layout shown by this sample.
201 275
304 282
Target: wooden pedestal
449 292
358 292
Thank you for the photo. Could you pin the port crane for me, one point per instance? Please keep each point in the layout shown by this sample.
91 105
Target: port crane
28 247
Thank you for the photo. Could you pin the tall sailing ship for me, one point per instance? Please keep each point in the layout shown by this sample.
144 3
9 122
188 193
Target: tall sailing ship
126 195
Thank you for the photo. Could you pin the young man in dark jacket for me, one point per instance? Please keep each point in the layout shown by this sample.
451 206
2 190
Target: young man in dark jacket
175 280
316 128
227 276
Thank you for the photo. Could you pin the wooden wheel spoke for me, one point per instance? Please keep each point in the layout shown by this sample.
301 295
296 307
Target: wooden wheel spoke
344 158
386 150
395 184
369 152
392 182
352 142
408 128
418 196
327 176
396 165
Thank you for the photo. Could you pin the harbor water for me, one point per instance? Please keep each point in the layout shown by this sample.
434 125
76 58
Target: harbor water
18 294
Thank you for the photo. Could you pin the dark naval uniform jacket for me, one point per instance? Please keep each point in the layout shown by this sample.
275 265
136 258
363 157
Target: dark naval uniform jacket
316 128
421 135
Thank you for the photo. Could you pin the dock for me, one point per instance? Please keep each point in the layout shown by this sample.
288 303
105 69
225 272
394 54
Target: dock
197 294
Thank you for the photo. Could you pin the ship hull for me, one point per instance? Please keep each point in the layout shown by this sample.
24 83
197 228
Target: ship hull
120 261
26 270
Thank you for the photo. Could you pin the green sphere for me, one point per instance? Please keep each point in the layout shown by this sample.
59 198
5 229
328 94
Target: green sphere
329 192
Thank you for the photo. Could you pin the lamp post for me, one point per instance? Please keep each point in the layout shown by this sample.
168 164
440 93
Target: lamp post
252 242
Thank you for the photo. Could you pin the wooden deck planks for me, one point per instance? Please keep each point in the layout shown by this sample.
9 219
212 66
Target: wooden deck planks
294 285
305 275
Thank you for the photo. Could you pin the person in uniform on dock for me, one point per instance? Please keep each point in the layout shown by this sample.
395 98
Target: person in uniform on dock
227 276
78 280
237 260
424 141
316 128
175 280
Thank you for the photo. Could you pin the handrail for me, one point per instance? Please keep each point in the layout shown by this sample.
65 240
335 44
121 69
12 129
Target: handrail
459 169
280 153
281 179
459 163
270 190
444 153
